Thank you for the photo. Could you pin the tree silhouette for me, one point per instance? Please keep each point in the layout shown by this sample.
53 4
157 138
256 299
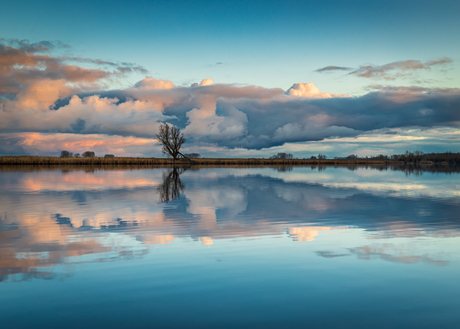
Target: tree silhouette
172 139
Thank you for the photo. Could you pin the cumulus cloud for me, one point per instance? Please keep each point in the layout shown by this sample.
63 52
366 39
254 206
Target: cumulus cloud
207 82
309 90
230 116
150 83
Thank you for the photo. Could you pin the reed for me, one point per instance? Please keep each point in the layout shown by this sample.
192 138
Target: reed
96 161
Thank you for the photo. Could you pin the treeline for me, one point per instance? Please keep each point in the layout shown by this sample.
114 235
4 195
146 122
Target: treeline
87 154
417 157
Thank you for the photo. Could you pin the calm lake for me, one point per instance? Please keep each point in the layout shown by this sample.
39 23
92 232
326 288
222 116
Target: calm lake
229 248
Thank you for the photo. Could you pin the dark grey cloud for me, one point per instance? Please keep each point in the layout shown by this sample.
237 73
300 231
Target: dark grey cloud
397 69
329 254
78 125
33 47
390 71
122 67
277 122
395 254
333 68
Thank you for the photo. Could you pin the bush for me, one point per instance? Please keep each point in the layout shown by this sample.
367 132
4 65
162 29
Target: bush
109 156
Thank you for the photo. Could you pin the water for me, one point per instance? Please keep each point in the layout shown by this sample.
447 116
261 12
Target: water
229 247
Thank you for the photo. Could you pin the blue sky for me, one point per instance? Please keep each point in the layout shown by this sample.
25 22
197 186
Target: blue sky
267 43
271 44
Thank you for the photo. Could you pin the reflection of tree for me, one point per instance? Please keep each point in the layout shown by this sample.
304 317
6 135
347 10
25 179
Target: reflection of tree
283 168
172 185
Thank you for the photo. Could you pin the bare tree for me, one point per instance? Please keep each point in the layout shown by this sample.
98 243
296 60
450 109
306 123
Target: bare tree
172 139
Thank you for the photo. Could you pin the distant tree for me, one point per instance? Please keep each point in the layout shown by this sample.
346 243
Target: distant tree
172 139
193 155
77 155
284 156
313 157
66 154
88 154
109 156
352 156
322 156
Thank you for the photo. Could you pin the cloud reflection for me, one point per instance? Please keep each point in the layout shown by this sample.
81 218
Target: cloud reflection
52 217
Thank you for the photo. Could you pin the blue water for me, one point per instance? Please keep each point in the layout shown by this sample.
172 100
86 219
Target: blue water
229 248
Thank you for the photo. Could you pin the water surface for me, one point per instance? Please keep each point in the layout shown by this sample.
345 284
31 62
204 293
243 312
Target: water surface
229 247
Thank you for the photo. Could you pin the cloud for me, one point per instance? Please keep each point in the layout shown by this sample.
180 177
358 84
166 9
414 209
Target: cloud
42 143
27 46
229 116
216 204
397 69
207 82
45 94
309 90
41 95
395 254
150 83
309 233
23 63
333 68
330 254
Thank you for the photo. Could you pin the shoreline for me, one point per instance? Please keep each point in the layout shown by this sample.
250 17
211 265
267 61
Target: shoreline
116 161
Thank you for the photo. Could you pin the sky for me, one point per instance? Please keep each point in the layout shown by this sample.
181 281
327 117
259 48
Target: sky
240 78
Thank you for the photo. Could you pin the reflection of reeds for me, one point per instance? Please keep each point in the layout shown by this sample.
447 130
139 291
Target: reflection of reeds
409 170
